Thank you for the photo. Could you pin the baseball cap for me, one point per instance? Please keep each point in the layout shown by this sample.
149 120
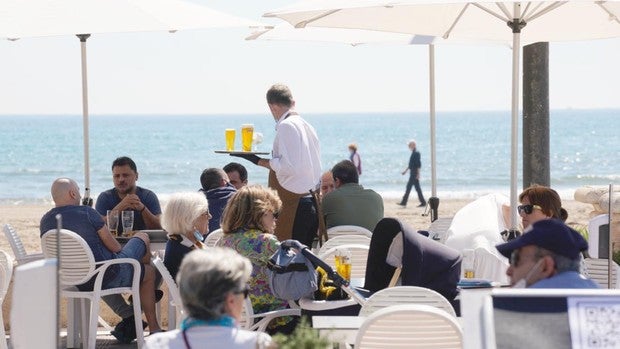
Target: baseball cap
550 234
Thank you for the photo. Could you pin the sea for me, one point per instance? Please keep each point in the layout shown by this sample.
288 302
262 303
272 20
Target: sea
171 151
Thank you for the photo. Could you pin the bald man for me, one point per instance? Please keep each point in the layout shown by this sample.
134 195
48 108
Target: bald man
87 223
327 183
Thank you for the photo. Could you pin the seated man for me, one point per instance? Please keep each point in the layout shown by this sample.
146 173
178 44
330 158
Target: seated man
86 222
546 256
327 183
350 203
127 196
237 174
218 190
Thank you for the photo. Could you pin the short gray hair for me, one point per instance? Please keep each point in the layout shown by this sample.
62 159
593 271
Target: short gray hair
206 277
182 210
562 263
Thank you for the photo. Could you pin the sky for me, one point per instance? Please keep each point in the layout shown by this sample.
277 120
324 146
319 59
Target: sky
216 71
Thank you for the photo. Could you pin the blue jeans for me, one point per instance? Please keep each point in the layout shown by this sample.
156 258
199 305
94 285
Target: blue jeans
135 249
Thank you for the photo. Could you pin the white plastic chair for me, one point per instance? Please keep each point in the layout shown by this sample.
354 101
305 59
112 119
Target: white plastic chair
409 326
214 237
597 270
34 306
405 295
6 272
594 236
18 247
438 230
175 304
258 321
77 265
359 258
348 230
342 240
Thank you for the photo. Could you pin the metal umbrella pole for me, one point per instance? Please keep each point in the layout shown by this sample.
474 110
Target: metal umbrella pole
58 228
610 261
86 200
433 201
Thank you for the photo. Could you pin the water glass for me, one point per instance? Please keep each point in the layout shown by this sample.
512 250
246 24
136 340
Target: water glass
127 219
113 221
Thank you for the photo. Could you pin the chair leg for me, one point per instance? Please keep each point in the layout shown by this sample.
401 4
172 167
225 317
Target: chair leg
93 321
3 344
137 311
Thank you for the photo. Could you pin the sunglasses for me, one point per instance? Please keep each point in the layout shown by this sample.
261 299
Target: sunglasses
528 209
245 291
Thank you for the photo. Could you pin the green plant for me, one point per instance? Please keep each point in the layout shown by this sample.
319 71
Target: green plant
304 337
580 228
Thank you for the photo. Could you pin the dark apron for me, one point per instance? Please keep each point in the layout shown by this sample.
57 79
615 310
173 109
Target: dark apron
290 201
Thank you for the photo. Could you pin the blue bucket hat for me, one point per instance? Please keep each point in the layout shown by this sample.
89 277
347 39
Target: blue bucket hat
550 234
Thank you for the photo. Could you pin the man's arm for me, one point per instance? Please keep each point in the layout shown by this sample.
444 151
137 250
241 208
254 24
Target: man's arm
151 221
108 240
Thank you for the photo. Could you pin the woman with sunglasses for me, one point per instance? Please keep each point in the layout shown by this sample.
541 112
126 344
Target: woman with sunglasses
539 202
213 287
186 219
248 223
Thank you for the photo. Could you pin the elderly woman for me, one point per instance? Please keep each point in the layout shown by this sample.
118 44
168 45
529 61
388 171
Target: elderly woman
248 224
539 202
186 219
213 287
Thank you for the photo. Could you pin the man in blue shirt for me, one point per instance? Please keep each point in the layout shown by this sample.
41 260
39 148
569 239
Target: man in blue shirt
218 190
127 196
546 256
87 223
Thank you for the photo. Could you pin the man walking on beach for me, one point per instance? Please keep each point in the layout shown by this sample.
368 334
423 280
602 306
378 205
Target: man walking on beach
294 169
87 223
127 196
414 176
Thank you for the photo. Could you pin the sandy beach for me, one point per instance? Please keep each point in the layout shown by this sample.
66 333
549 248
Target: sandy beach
25 219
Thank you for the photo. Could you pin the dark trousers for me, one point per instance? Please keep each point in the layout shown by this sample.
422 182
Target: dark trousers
413 181
306 222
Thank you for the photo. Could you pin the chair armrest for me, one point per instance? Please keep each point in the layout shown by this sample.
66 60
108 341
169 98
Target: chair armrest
104 265
265 318
31 257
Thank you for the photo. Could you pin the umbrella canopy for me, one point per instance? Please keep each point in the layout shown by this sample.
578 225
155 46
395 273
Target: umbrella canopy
286 32
32 18
519 21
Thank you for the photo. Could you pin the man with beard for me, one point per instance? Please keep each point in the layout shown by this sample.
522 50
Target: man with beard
126 196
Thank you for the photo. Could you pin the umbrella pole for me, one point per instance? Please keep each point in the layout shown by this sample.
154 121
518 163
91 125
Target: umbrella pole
87 199
433 201
516 24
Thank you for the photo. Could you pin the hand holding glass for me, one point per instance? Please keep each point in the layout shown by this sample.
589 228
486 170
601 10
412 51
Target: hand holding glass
127 219
112 221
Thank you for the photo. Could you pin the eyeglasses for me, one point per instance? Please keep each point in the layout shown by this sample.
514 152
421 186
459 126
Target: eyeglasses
527 209
245 292
514 258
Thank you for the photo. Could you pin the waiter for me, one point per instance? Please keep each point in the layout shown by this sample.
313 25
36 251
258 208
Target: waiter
294 169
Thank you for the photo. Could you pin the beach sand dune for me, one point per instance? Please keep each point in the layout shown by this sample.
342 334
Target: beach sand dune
25 219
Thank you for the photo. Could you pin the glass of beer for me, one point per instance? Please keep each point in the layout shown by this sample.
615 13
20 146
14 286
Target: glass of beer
230 139
468 264
343 263
247 134
113 222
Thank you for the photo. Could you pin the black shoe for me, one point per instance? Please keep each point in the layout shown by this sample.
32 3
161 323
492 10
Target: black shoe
422 204
159 294
401 204
125 331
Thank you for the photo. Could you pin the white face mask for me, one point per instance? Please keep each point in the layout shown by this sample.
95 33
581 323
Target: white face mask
522 283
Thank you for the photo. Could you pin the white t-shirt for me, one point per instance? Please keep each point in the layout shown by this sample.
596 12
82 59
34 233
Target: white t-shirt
296 156
212 337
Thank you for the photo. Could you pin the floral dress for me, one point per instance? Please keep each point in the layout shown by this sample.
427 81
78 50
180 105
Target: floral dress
258 247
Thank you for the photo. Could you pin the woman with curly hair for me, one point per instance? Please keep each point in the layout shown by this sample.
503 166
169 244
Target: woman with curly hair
248 224
539 202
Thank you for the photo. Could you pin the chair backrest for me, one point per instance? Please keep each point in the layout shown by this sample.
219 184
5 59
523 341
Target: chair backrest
214 237
405 295
33 305
598 236
439 228
6 264
410 326
359 258
348 230
342 240
597 270
15 241
77 262
173 289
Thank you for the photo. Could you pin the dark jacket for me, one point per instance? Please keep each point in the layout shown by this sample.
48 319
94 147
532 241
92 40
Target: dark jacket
218 198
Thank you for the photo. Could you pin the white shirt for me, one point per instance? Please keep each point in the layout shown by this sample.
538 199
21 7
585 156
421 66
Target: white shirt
296 155
212 337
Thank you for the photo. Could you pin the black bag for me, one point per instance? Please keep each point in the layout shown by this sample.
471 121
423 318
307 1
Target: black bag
291 275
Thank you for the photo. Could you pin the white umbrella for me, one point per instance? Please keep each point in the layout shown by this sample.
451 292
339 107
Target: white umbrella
31 18
467 20
286 32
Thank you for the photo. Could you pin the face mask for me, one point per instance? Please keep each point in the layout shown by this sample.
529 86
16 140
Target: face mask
198 236
522 283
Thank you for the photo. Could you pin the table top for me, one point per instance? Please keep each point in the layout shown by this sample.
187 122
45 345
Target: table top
337 322
156 235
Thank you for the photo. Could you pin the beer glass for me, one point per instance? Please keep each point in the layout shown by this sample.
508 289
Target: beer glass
127 220
247 134
112 221
230 139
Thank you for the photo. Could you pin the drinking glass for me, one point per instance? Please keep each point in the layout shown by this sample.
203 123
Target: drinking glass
113 222
230 139
127 218
247 134
468 263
